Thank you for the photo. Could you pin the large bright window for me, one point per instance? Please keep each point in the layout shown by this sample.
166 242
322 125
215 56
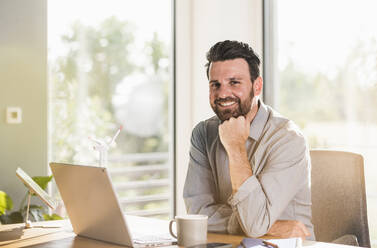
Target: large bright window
110 65
323 69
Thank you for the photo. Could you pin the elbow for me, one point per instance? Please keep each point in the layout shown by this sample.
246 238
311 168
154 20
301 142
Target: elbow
256 228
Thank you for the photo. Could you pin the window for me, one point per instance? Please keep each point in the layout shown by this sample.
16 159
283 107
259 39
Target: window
110 65
321 63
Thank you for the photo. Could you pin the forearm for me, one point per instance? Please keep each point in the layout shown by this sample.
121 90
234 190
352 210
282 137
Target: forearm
233 134
239 167
248 200
250 204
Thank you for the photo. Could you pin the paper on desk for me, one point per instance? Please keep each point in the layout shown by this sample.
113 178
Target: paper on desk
287 243
282 243
316 244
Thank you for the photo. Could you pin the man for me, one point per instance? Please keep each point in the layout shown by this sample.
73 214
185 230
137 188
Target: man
249 167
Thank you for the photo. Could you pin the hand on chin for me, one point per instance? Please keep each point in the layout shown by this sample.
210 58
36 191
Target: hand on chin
234 132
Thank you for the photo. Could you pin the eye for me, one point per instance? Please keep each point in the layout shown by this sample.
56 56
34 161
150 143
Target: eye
215 85
233 82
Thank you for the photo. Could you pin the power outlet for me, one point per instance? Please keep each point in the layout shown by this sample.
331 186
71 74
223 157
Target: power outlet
14 115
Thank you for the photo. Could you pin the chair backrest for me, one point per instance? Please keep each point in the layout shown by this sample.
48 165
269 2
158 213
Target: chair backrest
338 196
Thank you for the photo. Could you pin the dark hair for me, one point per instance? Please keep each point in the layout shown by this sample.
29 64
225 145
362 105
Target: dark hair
227 50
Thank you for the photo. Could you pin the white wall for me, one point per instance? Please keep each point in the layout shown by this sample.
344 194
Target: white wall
199 25
23 83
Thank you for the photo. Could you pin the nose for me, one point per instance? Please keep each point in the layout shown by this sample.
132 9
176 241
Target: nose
224 91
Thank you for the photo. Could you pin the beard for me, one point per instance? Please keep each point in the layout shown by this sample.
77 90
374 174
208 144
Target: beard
242 107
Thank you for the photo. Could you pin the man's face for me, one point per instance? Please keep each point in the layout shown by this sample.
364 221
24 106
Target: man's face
230 88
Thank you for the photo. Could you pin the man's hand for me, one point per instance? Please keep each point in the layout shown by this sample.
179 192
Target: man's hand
233 135
288 229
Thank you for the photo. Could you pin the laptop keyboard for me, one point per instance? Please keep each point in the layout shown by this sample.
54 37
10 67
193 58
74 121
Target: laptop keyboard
153 239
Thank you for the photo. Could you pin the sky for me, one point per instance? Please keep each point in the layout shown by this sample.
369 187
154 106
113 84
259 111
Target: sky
318 34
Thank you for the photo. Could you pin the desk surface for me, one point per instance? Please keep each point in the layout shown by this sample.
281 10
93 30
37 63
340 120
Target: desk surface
60 237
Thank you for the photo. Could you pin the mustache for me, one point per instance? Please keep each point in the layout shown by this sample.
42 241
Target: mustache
227 99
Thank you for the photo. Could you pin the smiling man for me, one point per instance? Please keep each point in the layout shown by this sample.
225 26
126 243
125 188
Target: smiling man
249 167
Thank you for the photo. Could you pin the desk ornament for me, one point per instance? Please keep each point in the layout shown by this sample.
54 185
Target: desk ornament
103 147
33 187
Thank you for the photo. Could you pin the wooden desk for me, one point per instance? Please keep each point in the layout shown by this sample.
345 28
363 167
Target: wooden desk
62 237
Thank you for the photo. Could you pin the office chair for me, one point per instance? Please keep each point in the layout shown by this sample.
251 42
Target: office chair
339 210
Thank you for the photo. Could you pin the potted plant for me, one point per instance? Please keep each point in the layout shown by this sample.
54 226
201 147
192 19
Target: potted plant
36 212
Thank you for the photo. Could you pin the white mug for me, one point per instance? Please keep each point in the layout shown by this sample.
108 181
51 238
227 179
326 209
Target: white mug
191 229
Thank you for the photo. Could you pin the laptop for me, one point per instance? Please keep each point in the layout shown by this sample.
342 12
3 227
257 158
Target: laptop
95 212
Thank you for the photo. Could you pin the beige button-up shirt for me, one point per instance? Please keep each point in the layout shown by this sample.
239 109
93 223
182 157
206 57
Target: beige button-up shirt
278 190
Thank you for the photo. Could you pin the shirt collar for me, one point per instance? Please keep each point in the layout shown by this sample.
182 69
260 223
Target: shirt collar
259 121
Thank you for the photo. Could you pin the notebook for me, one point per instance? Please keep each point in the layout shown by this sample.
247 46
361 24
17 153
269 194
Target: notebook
95 212
281 243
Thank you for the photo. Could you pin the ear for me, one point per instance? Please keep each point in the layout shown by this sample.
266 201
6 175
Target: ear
258 86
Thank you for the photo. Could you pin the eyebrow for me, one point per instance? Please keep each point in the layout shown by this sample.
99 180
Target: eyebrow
230 79
235 78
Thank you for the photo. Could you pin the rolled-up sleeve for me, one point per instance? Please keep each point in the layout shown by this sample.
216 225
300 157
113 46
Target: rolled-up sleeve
262 198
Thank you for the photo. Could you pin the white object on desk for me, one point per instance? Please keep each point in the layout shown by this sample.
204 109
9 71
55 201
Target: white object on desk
287 243
316 244
102 147
298 243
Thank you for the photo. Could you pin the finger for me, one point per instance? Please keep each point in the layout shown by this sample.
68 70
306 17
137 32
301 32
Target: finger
241 118
224 122
304 229
299 234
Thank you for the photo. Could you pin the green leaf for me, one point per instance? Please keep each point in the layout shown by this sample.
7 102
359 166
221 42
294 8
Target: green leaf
14 217
52 217
42 181
36 214
31 207
6 202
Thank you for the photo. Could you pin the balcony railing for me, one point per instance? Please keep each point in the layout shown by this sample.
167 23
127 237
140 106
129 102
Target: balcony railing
142 182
